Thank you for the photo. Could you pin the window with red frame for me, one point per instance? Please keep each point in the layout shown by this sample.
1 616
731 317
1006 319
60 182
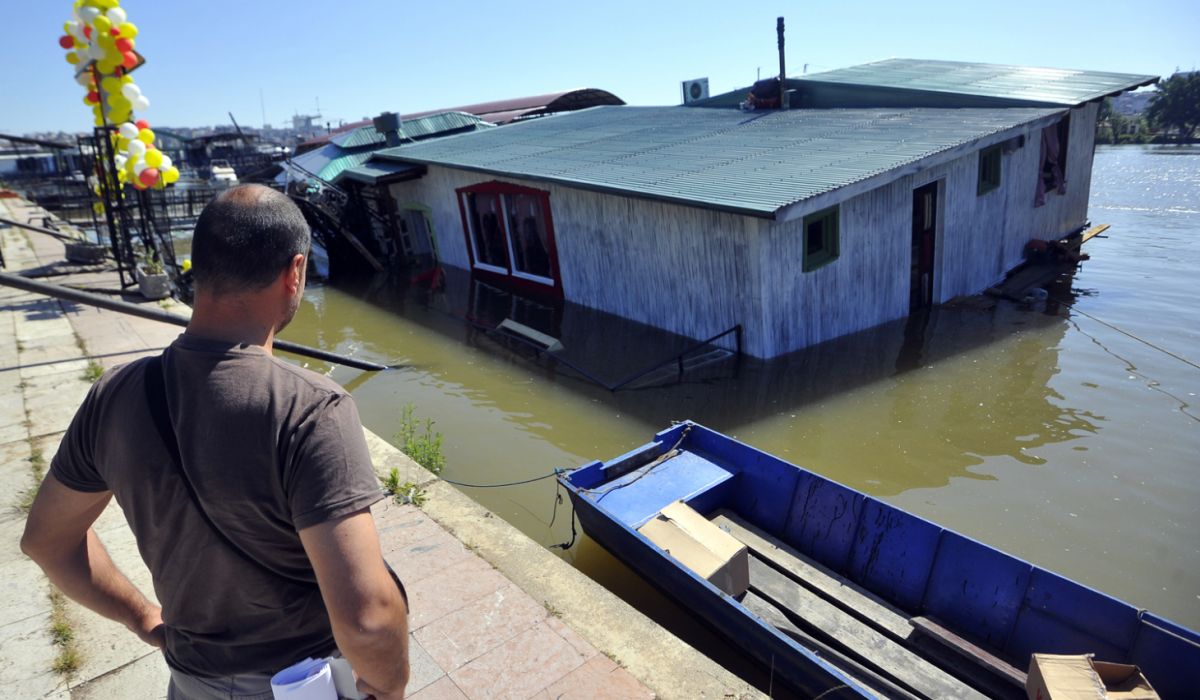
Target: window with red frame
509 232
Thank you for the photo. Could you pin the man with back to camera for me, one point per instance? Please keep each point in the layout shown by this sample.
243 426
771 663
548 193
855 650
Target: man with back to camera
251 501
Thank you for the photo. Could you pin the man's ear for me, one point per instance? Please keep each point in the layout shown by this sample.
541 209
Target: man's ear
294 273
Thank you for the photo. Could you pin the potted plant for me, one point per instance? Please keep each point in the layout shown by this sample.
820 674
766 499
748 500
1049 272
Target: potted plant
153 281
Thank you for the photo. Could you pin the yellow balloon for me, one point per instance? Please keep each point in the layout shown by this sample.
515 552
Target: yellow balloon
128 30
187 264
73 58
102 24
171 175
122 175
106 41
126 79
146 136
153 158
111 84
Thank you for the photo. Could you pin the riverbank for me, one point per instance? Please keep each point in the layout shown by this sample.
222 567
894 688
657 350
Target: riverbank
493 613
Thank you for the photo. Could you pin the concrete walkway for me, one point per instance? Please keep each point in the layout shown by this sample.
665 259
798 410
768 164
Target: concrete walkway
494 615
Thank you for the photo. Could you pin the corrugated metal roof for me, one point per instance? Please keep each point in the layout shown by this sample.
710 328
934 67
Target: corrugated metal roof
434 124
723 159
1049 86
328 161
374 172
361 137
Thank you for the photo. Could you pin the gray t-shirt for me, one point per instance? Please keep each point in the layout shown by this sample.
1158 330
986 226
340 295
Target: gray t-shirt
271 449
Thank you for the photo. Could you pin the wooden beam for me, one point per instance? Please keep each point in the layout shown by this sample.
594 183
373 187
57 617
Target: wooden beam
1093 232
975 654
835 588
775 617
856 637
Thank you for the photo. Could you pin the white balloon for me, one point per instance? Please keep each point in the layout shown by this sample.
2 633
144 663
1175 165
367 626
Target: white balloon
89 14
129 130
136 148
117 16
84 78
131 91
96 51
141 104
73 28
167 162
139 166
119 161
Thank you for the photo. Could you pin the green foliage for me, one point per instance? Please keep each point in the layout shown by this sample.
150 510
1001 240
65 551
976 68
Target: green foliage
93 371
404 492
1176 105
419 441
62 634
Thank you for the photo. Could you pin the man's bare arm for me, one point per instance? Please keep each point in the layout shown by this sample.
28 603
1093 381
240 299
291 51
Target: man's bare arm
370 619
59 538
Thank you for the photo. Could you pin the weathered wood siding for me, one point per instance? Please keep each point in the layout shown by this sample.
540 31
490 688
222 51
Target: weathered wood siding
697 272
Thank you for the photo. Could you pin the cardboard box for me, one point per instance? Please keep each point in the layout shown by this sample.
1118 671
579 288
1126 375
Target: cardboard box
1058 677
700 546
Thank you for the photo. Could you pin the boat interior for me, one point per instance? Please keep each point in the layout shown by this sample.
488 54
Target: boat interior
899 604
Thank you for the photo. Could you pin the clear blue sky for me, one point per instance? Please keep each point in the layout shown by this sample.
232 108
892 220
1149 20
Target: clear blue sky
361 57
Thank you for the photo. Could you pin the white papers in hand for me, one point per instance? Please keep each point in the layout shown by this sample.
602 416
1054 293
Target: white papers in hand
309 679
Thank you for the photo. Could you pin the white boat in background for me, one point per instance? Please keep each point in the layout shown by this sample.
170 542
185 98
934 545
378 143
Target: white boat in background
220 172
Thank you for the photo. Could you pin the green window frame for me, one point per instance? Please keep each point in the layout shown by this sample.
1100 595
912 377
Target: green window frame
820 239
989 169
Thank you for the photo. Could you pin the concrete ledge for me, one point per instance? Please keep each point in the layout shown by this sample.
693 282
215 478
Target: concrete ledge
657 658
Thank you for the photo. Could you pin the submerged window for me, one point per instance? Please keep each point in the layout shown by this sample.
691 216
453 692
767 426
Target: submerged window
509 232
820 239
989 170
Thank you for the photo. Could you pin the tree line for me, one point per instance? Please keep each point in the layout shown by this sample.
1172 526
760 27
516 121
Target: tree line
1173 115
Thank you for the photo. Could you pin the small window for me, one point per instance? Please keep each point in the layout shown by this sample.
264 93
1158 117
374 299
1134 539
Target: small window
989 170
820 239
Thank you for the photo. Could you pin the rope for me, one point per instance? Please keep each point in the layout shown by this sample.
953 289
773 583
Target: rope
556 472
1131 335
673 452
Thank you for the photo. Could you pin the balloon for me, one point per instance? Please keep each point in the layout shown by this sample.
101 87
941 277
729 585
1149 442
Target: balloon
124 45
128 30
142 103
71 27
137 148
87 32
129 60
148 176
102 24
139 167
110 84
167 163
154 158
93 97
88 14
83 79
131 91
117 16
142 124
106 41
128 131
146 136
96 51
73 58
67 41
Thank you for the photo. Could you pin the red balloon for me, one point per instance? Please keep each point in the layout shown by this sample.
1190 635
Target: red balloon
149 176
118 71
114 31
130 60
142 124
93 96
66 41
87 32
124 45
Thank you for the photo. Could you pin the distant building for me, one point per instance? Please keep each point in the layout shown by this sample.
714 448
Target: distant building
888 187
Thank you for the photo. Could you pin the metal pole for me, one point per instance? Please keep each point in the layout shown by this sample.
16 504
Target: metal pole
68 294
783 93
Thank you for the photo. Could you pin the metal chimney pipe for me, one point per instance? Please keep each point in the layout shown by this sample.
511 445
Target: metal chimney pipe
783 93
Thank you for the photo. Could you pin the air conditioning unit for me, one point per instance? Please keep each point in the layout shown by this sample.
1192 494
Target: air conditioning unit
694 90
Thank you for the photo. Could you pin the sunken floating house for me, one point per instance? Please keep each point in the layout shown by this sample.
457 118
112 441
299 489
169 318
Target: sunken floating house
886 188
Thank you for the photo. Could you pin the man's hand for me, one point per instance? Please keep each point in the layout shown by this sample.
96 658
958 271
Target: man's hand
59 537
368 616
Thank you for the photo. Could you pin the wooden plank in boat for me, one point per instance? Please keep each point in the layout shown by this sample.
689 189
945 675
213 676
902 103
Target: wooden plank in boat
855 636
829 584
775 617
973 653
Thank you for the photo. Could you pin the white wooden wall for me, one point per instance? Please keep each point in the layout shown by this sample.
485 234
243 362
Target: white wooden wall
697 272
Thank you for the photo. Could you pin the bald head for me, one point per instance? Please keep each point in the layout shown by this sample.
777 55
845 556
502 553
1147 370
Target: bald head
245 238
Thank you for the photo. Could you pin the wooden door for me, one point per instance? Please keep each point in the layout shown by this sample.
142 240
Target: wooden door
924 235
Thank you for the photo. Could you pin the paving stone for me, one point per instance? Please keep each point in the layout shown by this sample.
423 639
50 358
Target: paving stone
26 657
401 526
442 689
597 679
16 432
23 588
422 669
520 668
143 679
75 367
427 556
475 629
455 587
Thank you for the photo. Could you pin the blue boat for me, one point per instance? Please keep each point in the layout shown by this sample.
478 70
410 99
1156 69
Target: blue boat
850 597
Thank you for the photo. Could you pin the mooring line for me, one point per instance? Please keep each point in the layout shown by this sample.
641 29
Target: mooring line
1131 335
